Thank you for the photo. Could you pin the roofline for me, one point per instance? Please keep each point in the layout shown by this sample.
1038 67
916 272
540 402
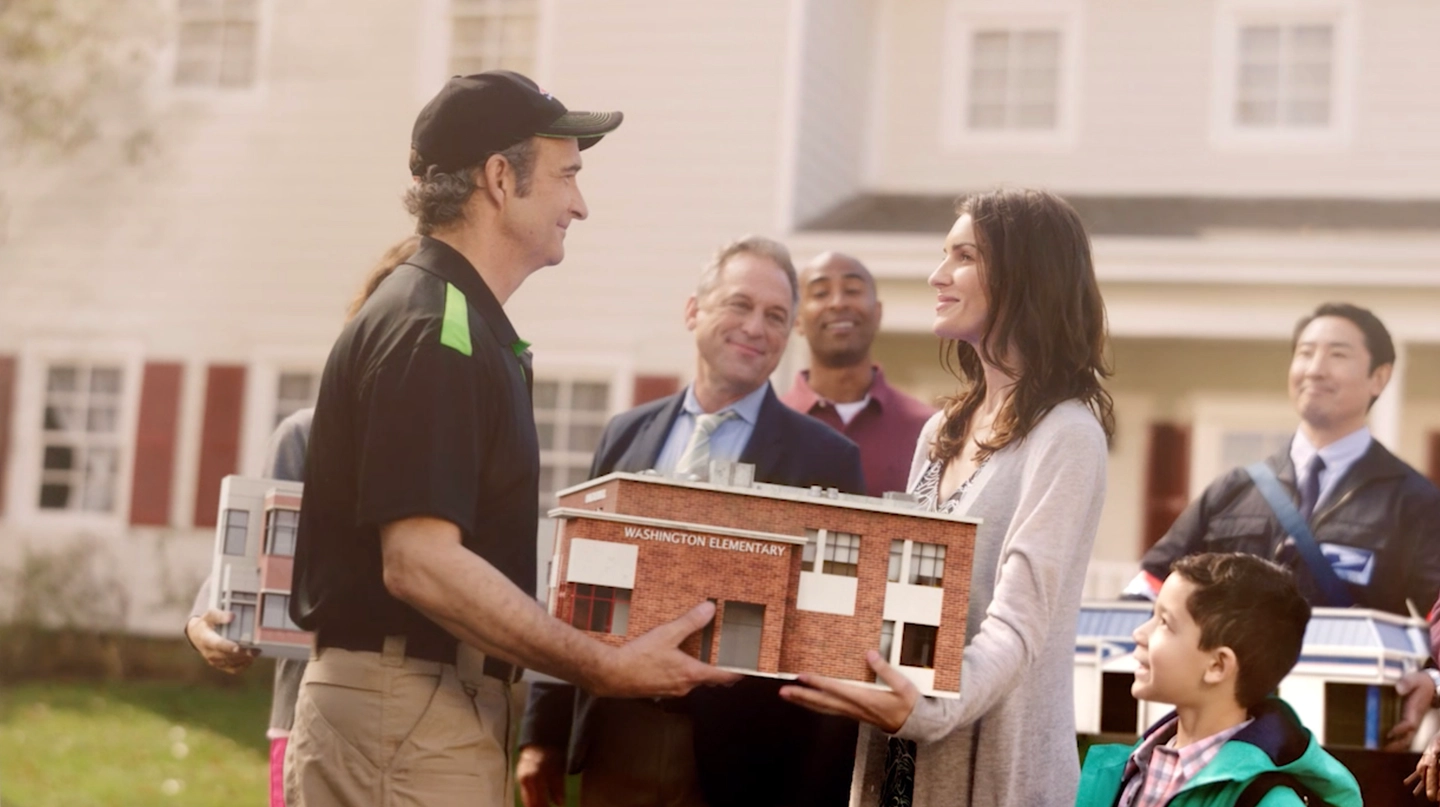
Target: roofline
765 490
566 513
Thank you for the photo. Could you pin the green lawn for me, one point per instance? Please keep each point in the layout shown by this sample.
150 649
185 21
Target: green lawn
120 744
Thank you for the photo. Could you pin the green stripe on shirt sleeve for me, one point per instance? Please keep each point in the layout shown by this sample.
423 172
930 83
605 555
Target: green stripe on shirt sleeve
455 330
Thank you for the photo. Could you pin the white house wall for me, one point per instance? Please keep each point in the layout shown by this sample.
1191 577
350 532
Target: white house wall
1144 113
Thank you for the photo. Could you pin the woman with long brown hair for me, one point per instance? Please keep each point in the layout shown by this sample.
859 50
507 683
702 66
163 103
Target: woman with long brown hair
1022 446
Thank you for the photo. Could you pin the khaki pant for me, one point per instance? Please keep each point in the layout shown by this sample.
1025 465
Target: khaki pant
640 756
383 729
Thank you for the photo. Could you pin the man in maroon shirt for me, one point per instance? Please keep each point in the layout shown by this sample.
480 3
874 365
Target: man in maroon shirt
839 317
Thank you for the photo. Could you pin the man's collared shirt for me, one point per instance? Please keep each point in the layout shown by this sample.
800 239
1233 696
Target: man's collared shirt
729 439
1338 456
886 429
1156 772
424 410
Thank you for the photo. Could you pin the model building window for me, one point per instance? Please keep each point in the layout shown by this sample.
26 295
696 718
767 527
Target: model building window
603 609
1014 80
917 646
897 554
241 627
237 523
887 638
927 565
80 463
275 613
490 34
218 43
807 556
1284 78
293 392
569 418
280 537
842 554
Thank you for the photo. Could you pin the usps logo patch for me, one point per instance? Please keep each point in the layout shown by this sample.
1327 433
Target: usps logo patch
1350 564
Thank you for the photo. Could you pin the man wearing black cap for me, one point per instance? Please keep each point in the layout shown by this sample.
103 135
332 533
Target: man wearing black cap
415 561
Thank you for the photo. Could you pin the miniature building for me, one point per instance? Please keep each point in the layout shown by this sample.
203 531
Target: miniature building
803 580
253 562
1342 688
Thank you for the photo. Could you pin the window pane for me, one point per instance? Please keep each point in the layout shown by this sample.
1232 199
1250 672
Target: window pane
61 379
892 572
275 611
296 386
236 522
917 646
600 615
584 437
887 639
545 434
103 419
547 394
60 418
991 50
581 616
105 380
590 397
102 466
54 496
59 458
807 556
620 618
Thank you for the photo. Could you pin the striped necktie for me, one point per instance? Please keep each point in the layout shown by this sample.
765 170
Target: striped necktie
696 459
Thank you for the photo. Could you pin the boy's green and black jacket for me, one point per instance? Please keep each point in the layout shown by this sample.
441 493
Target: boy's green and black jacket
1275 741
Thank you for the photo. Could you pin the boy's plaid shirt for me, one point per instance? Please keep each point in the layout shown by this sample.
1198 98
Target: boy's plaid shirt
1156 772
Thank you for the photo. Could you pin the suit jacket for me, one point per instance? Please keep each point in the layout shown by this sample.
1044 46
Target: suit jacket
752 748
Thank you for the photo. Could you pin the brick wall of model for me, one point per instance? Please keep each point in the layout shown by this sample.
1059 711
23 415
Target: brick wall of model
671 578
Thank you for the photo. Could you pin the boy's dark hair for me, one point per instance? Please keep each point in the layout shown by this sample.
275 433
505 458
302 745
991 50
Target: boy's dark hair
1251 606
1377 337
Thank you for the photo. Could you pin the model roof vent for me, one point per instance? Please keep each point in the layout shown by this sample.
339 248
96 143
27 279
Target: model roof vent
732 474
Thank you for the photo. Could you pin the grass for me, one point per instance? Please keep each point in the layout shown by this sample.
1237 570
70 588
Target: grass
142 743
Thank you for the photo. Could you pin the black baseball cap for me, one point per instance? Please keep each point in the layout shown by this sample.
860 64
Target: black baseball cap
475 116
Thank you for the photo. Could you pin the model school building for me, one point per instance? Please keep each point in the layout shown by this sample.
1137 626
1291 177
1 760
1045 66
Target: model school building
804 580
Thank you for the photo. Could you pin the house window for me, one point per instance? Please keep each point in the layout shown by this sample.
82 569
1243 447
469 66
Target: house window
917 646
491 34
237 523
217 43
897 553
1284 76
295 391
275 613
280 536
241 627
842 554
807 556
569 418
80 462
1014 79
887 638
603 609
927 565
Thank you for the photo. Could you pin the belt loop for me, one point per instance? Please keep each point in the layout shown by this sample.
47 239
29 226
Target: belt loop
392 654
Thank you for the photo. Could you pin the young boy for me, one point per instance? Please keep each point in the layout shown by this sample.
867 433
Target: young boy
1226 629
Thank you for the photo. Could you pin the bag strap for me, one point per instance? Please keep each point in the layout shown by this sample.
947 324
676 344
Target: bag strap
1261 785
1331 587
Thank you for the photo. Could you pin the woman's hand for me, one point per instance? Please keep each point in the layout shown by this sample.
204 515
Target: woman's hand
886 710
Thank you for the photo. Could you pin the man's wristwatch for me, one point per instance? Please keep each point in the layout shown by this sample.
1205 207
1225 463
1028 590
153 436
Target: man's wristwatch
1434 679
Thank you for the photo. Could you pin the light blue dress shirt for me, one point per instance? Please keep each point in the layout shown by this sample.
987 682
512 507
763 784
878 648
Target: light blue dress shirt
729 439
1338 456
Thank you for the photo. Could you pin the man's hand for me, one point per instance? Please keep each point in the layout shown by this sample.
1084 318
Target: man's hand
1426 777
887 710
540 774
1418 691
652 665
218 652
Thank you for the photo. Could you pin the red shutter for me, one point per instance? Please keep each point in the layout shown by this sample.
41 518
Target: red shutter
219 437
653 387
7 408
155 444
1167 480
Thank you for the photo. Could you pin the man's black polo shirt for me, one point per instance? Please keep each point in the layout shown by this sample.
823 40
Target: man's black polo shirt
424 410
